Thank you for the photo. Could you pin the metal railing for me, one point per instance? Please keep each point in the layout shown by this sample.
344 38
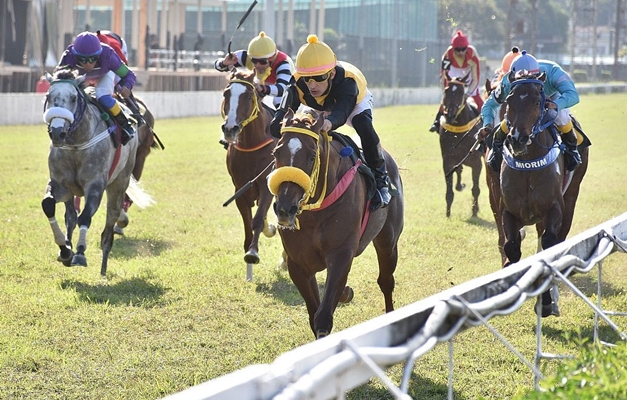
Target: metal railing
327 368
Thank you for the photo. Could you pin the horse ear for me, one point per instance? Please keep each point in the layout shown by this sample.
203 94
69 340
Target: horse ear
319 122
465 78
80 79
511 76
48 77
447 76
288 117
542 77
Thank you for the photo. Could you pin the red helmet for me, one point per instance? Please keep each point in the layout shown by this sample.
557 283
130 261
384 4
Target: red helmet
459 40
87 44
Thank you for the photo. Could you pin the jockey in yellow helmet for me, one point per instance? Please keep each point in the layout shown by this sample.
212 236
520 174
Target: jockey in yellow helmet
339 90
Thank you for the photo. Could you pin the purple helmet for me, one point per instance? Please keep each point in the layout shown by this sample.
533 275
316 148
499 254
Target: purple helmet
87 44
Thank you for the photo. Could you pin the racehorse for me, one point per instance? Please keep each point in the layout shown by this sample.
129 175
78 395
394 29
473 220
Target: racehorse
84 161
322 208
457 141
146 136
246 128
536 188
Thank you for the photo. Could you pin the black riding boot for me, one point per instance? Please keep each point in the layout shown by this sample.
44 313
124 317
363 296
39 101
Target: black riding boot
435 127
572 157
127 128
495 157
382 181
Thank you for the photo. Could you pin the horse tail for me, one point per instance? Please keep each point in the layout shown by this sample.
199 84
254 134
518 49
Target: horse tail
139 197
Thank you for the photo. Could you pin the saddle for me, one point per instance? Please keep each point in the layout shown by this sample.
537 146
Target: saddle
355 153
90 93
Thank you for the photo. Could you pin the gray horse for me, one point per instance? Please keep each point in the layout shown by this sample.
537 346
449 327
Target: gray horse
84 161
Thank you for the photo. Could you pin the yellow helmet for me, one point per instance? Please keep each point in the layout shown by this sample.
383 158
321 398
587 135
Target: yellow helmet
261 46
314 58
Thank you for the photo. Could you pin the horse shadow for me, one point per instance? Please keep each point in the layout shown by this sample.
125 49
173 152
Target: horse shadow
419 388
478 221
129 247
282 289
128 292
588 287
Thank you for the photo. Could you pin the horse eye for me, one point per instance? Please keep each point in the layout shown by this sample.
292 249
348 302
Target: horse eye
73 98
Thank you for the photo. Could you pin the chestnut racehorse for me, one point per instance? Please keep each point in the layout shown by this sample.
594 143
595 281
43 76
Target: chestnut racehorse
322 207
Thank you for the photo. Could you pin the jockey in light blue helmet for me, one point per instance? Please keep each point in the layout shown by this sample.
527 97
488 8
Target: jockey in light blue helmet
561 94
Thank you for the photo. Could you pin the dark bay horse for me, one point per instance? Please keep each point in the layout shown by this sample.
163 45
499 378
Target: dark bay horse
457 141
323 212
536 188
246 128
84 161
147 142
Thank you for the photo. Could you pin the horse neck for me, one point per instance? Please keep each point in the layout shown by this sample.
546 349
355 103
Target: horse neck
257 131
88 126
331 168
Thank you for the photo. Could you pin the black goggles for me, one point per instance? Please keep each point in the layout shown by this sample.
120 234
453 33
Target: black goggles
317 78
460 49
86 59
262 61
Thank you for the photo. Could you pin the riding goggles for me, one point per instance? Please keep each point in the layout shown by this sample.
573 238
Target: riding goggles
262 61
317 78
87 59
461 49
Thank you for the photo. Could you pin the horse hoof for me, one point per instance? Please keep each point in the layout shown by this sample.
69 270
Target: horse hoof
347 295
79 260
321 334
269 230
122 219
66 261
118 230
461 187
251 257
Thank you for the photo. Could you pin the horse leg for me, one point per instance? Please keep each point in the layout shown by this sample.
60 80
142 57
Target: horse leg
307 286
476 191
48 205
93 197
459 186
552 225
243 205
258 225
449 194
511 228
338 266
387 257
494 191
115 196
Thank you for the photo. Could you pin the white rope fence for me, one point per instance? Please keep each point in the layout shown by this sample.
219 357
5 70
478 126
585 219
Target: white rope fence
329 367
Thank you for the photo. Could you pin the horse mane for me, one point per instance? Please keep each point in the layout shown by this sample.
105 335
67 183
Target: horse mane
243 75
64 73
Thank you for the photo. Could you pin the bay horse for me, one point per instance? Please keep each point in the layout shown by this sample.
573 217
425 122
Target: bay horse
84 161
147 142
246 129
535 186
458 142
324 219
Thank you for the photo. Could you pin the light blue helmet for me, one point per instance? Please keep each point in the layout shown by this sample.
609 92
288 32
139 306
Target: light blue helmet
525 62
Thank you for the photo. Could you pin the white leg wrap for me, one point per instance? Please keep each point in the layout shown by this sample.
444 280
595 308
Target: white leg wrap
82 238
59 237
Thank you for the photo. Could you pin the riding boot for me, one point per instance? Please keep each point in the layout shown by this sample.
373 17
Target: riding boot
572 157
382 181
435 127
495 156
127 128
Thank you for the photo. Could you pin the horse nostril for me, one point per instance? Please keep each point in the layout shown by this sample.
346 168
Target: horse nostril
293 210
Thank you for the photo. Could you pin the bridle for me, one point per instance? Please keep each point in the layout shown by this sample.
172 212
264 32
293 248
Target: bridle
81 104
255 112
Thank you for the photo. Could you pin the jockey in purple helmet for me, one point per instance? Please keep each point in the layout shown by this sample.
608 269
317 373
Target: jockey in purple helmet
103 68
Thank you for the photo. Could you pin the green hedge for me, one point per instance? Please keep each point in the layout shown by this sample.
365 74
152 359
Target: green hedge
599 372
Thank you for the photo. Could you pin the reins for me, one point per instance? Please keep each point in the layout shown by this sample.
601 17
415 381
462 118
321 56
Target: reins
255 112
81 106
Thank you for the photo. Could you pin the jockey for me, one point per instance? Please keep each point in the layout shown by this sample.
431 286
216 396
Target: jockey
561 94
460 59
116 42
340 90
273 68
506 65
101 65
